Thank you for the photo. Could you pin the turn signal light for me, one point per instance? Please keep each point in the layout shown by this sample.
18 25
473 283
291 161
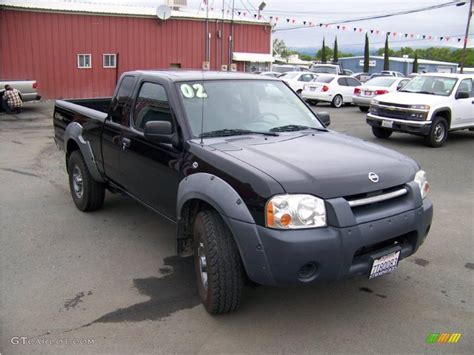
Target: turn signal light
380 92
325 88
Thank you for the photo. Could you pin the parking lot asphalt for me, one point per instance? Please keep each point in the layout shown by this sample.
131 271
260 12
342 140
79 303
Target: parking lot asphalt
110 282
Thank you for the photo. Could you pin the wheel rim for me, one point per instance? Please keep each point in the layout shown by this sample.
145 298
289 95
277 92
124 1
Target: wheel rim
77 182
439 133
337 101
202 265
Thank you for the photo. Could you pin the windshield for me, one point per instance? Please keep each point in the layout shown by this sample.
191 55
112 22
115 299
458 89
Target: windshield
323 69
433 85
250 105
380 81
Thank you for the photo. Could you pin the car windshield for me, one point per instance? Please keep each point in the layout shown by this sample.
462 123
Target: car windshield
431 85
232 107
323 69
380 81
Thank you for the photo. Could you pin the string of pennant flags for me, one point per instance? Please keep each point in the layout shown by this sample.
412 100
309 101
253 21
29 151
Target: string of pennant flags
276 20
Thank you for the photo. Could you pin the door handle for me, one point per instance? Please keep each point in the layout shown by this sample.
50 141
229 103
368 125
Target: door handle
126 143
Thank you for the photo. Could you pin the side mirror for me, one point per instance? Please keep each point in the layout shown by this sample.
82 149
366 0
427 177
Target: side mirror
325 118
462 95
159 131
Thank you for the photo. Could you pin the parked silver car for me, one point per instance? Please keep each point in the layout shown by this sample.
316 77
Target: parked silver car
28 88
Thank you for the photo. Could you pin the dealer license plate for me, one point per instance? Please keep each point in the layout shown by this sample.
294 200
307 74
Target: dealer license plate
385 264
368 93
312 89
387 124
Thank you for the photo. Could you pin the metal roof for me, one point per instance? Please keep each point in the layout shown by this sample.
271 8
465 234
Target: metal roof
97 8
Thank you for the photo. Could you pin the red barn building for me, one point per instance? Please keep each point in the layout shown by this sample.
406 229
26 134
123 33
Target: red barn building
79 50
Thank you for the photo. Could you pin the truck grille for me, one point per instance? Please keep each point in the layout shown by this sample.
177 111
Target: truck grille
398 114
376 197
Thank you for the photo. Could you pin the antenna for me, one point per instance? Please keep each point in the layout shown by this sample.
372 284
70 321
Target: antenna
202 109
163 12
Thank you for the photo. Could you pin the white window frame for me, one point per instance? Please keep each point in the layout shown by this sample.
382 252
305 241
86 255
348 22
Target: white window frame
79 62
114 55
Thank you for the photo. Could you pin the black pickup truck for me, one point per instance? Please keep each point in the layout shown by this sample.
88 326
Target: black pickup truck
260 190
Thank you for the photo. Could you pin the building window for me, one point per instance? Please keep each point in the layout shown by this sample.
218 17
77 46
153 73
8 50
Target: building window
84 61
109 60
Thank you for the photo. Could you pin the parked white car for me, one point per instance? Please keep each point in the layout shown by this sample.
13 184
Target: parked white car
326 68
296 80
380 85
336 89
430 105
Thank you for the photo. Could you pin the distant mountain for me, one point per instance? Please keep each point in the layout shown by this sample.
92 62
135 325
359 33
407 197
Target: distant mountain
354 50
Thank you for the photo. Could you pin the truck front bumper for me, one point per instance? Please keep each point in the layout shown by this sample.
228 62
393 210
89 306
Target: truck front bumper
421 128
282 257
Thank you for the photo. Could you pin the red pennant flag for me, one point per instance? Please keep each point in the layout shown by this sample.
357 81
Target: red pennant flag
447 38
293 21
343 28
412 35
394 34
277 18
360 30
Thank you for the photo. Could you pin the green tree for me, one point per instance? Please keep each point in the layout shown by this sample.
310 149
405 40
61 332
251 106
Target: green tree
386 60
415 64
323 52
335 52
366 54
280 48
306 57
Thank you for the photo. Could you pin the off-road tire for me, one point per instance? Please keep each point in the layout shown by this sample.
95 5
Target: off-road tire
337 101
438 133
382 133
93 192
225 274
364 108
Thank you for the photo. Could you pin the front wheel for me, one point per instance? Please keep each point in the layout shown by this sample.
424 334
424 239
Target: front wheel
337 101
219 271
438 133
87 194
383 133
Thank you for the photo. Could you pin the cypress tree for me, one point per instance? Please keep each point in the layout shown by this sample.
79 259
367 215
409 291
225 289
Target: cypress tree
415 64
323 52
386 60
366 54
335 56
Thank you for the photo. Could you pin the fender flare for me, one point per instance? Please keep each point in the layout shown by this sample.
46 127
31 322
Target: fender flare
443 109
74 132
214 191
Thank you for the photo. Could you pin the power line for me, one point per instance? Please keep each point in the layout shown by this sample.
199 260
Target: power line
398 13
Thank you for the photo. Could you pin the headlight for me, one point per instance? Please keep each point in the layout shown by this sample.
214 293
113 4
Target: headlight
420 179
295 212
420 107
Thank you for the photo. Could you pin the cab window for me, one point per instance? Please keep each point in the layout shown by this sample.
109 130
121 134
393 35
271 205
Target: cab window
120 106
466 86
151 105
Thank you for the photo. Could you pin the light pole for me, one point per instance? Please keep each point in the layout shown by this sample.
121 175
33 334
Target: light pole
466 36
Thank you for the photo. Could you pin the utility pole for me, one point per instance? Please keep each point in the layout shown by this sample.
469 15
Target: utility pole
463 53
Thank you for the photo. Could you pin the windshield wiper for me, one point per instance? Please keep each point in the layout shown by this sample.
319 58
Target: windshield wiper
234 132
293 128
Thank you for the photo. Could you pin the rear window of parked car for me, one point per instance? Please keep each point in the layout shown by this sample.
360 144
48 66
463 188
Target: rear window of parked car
381 81
324 79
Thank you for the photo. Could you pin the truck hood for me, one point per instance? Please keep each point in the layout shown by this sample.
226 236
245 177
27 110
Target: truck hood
407 98
325 164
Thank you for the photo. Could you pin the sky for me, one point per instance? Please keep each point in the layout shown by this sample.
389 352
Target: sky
449 21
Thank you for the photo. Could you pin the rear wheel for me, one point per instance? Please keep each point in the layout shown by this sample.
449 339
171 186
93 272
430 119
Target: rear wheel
438 133
337 101
299 92
87 194
383 133
364 108
219 271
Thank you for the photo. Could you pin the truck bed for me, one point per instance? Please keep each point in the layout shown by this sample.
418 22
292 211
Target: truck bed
91 113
